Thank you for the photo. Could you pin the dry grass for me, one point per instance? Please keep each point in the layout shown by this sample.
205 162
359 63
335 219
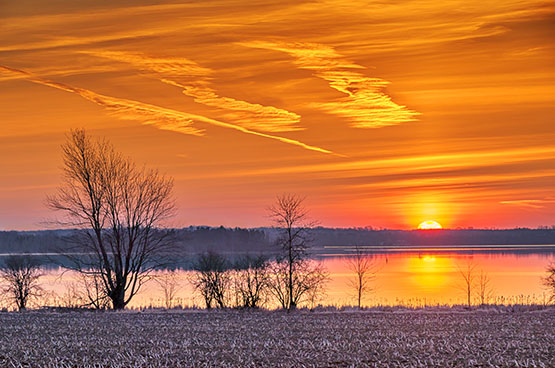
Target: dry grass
277 339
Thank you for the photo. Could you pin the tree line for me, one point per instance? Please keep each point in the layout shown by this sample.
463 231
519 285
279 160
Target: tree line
193 239
196 239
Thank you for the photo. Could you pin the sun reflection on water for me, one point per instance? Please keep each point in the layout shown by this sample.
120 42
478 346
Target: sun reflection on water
429 272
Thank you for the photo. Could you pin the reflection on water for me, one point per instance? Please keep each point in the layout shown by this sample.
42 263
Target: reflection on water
435 278
421 276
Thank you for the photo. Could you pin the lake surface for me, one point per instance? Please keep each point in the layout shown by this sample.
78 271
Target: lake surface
429 277
413 276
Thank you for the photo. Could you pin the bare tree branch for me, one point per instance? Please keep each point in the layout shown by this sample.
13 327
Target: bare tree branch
251 280
21 274
212 279
364 268
119 209
169 283
293 276
468 276
549 281
483 288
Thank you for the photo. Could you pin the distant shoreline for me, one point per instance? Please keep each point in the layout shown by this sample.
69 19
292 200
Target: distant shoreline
198 239
332 250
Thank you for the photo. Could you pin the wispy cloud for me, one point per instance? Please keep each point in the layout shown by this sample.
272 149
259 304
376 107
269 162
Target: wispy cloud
169 66
366 104
162 118
122 108
530 203
197 80
406 164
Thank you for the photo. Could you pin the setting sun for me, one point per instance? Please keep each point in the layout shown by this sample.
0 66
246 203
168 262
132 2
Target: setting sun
429 225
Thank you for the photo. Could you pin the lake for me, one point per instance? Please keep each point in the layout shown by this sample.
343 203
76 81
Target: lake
413 276
429 276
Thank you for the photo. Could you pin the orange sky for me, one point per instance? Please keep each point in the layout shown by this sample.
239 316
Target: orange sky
381 113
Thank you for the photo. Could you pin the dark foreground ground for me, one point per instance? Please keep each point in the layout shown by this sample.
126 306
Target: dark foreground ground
276 339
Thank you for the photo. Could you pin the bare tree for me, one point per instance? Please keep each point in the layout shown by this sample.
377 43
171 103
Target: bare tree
364 269
484 290
95 293
72 296
119 209
549 281
316 280
468 275
252 280
21 274
294 276
212 279
308 280
169 283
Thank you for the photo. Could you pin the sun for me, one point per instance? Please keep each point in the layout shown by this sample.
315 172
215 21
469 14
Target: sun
429 225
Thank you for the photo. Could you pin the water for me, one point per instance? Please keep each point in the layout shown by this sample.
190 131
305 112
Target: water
434 277
412 276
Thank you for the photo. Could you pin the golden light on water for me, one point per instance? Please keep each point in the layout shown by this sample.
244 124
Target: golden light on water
430 225
429 272
430 277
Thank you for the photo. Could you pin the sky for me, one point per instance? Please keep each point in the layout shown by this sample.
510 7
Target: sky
379 113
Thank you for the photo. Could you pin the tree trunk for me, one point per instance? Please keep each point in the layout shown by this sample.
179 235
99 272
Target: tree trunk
468 298
292 304
118 299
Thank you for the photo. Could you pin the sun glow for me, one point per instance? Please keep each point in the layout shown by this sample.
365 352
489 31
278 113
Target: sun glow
429 225
429 259
429 271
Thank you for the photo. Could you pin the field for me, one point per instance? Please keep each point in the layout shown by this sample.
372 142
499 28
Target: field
277 339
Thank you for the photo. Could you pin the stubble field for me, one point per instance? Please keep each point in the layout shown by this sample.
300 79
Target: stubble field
278 339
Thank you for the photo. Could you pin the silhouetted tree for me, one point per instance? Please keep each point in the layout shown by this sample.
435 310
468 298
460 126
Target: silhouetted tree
212 279
468 275
96 294
308 280
484 290
21 273
549 281
169 283
364 269
252 280
294 276
119 209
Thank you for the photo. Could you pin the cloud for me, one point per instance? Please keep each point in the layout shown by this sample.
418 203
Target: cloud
365 103
121 108
428 166
249 115
243 113
162 118
530 203
68 41
170 66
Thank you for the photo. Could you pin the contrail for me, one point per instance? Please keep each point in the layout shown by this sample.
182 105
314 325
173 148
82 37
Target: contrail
162 118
